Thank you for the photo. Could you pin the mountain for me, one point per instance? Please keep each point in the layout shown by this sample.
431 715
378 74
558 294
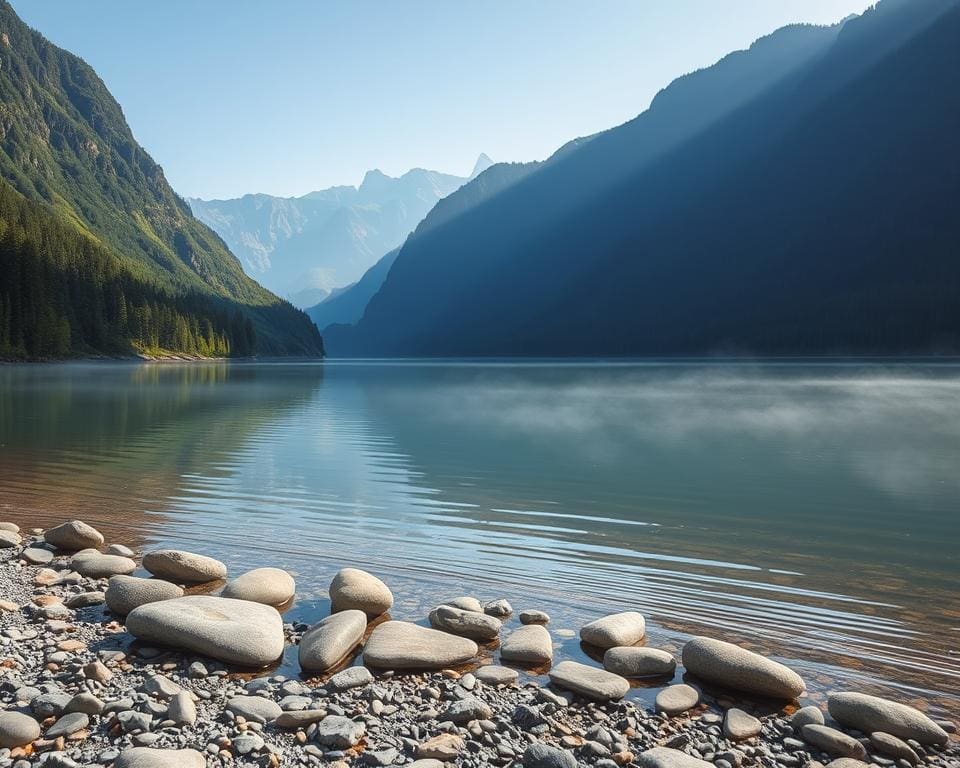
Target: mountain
345 306
305 247
795 198
98 254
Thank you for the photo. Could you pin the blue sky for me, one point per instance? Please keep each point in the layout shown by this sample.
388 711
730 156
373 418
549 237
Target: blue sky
288 96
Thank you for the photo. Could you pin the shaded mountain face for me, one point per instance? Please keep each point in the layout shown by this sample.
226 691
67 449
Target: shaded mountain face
797 197
129 267
305 247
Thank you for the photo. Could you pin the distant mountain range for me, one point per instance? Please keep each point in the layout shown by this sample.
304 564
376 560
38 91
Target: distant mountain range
304 248
799 197
98 255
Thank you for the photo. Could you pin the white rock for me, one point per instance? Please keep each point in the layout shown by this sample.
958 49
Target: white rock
124 593
664 757
95 565
183 567
589 681
617 629
529 644
270 586
354 589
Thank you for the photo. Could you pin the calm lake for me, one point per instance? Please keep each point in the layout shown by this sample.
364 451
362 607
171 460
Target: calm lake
810 511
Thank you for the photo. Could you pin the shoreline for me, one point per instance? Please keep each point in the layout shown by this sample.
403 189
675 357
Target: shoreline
59 640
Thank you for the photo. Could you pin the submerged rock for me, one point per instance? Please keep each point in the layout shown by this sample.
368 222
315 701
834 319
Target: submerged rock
589 681
353 589
871 713
234 631
467 623
183 567
270 586
731 666
617 629
331 640
401 645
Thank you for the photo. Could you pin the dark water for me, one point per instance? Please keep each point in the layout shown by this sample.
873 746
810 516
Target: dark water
810 511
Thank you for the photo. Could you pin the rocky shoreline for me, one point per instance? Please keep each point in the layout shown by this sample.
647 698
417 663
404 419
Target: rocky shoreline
99 667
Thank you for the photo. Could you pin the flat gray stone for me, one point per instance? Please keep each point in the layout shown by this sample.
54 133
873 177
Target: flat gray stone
270 586
234 631
182 709
664 757
96 565
255 708
85 702
617 629
354 677
183 567
809 715
17 729
85 600
67 724
339 732
871 713
147 757
493 674
739 725
889 745
498 608
401 645
353 589
529 644
299 718
675 699
73 535
464 710
540 755
37 556
731 666
589 681
330 641
124 593
833 742
12 527
466 623
639 662
847 762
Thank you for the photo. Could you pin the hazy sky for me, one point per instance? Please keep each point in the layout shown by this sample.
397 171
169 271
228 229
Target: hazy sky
288 96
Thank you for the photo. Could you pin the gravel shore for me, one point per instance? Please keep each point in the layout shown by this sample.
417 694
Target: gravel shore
77 688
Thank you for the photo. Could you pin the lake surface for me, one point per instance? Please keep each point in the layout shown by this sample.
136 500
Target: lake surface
810 511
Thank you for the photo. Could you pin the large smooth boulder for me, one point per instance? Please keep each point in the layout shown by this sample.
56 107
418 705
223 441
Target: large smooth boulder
589 681
731 666
466 623
639 662
234 631
665 757
74 535
401 645
147 757
871 713
330 641
95 565
530 644
183 567
353 589
617 629
124 593
270 586
17 729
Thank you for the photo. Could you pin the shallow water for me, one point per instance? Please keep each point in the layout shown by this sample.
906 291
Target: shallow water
811 511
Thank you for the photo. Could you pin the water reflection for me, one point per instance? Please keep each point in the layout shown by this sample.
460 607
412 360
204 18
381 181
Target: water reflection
809 509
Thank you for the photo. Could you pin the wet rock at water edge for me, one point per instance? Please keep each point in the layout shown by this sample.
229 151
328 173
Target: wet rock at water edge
472 624
183 567
639 662
234 631
95 565
872 713
529 644
331 640
833 742
540 755
665 757
893 747
17 729
617 629
731 666
124 593
401 645
12 527
806 716
73 536
146 757
534 617
353 589
466 603
675 699
499 609
270 586
589 681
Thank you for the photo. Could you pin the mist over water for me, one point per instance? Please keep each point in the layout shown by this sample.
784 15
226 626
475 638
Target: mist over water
808 510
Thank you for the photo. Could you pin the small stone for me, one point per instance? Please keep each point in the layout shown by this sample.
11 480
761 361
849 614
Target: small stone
300 718
95 565
37 556
73 536
330 641
472 624
540 755
731 666
618 629
17 729
466 604
665 757
124 593
675 699
68 724
146 757
639 662
833 742
498 608
401 645
339 732
97 670
588 681
270 586
467 709
493 674
534 617
120 549
893 747
85 600
255 708
806 716
445 747
354 589
871 713
528 645
354 677
161 687
738 725
86 703
183 567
